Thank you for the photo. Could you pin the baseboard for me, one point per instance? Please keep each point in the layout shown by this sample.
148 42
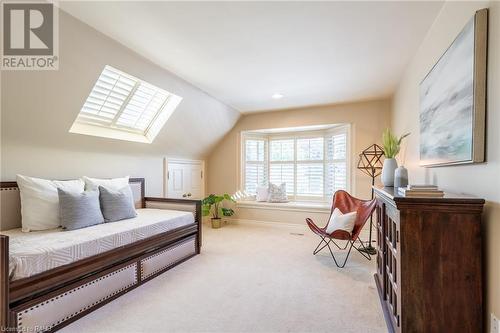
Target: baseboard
364 235
270 223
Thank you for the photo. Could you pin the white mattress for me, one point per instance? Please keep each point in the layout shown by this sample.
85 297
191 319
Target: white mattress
35 252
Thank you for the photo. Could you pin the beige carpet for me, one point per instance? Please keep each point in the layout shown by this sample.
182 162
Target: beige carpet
250 278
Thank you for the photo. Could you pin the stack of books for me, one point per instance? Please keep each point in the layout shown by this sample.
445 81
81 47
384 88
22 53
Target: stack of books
421 191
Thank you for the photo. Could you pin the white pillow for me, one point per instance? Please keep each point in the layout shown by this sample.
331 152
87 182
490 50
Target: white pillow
339 221
277 193
40 201
262 193
114 184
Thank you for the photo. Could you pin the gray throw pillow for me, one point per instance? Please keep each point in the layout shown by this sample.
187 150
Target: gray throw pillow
277 193
79 210
117 205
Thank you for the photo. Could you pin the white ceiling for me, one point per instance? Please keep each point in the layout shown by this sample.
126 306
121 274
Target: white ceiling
243 52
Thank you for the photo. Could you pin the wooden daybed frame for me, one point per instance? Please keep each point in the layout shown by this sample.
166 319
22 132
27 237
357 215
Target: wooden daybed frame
22 301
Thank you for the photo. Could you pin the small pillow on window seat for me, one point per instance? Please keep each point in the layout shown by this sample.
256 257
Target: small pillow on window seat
262 193
340 221
277 193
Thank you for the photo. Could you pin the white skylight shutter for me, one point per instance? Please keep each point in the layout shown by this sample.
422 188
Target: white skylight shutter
106 98
282 165
124 107
142 107
255 164
336 173
310 167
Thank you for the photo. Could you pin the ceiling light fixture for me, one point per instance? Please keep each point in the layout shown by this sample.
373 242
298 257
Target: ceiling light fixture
277 96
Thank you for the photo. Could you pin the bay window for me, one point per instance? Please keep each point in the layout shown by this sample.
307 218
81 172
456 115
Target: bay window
312 163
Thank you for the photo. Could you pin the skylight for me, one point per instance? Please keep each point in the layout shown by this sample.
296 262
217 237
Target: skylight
121 106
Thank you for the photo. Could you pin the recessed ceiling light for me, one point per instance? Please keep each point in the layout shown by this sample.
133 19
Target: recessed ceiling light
277 96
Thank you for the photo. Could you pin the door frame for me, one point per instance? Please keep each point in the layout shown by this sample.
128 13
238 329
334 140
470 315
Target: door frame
167 160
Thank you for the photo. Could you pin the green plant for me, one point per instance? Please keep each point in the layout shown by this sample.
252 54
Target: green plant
391 143
212 205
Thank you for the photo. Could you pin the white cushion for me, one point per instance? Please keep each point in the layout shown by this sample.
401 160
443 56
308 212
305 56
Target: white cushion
262 193
114 184
277 193
40 201
339 221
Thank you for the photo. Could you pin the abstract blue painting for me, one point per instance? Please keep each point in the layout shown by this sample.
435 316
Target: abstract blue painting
447 104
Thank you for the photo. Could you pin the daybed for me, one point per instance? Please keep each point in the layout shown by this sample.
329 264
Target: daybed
51 278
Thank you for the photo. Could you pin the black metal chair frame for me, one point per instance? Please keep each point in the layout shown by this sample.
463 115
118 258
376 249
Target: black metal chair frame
349 241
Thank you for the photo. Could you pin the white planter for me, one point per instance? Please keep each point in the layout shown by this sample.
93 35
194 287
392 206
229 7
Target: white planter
387 177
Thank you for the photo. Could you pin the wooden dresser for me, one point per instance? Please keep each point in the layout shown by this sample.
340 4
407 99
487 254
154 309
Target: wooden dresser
429 269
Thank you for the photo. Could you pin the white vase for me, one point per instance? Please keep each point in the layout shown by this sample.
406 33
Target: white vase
387 177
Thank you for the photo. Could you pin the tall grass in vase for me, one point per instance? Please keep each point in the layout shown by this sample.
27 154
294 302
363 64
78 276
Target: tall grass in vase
391 145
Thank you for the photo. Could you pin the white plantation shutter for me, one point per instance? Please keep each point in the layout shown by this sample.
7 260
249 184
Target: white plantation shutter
107 97
282 166
310 149
310 167
142 107
281 150
336 163
255 166
313 167
254 176
121 101
283 173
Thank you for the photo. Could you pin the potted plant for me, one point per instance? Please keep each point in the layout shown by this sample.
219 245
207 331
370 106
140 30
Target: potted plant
391 146
212 206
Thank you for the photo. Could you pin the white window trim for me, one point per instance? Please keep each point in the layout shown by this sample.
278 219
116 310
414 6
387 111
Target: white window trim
301 133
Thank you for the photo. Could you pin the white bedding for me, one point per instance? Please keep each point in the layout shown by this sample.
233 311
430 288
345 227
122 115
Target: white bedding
35 252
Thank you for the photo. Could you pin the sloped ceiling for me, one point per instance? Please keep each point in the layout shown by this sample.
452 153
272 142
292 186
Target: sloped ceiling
242 52
39 107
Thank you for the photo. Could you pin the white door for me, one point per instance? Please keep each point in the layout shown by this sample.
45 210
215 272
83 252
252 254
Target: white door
176 180
195 183
184 179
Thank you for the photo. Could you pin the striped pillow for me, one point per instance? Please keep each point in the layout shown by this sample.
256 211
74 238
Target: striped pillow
117 205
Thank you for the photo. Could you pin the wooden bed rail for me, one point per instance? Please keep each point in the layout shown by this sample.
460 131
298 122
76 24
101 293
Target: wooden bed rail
4 283
198 218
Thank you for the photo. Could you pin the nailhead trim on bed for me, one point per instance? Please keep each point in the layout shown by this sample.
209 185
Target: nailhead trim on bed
23 312
9 189
163 252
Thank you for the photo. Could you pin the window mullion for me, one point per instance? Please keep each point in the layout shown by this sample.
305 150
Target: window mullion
325 167
295 168
125 102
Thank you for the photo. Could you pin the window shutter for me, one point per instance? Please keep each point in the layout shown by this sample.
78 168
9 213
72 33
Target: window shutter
336 165
255 167
283 173
142 107
310 149
281 167
254 176
310 167
310 179
107 97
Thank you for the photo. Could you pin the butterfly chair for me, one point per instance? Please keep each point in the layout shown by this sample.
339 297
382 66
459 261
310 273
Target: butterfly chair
346 203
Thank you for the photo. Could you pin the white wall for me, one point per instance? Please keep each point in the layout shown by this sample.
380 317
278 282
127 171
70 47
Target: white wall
482 180
39 107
